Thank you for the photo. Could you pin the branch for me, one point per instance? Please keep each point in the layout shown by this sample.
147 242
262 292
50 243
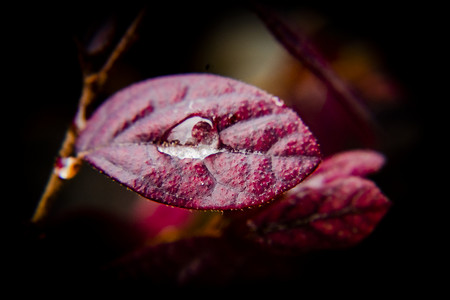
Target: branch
299 46
67 165
94 82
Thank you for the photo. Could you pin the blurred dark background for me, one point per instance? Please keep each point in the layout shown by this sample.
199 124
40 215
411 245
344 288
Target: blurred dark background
44 86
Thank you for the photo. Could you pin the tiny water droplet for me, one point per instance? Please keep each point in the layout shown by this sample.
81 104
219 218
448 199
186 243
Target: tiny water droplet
67 167
277 101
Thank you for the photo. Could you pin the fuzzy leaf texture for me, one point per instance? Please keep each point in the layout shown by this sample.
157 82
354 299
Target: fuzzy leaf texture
334 208
200 261
199 141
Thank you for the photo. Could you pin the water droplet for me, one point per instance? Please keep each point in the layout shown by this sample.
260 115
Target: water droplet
67 167
277 101
195 137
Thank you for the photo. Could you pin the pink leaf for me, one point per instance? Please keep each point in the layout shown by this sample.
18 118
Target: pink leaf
332 209
153 218
199 141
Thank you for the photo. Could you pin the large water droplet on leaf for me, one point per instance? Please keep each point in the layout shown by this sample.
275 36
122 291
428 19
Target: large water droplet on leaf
195 137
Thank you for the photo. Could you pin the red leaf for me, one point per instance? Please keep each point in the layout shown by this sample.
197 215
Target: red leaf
198 262
332 209
355 162
199 141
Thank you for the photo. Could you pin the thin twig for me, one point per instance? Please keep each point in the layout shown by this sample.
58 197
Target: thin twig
299 46
92 84
55 183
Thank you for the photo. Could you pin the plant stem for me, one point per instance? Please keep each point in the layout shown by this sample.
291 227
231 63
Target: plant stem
55 183
92 84
298 45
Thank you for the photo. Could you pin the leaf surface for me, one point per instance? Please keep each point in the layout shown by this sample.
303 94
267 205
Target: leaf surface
334 208
200 142
198 262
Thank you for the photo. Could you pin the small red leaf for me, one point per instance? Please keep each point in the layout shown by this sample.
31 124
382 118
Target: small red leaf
332 209
199 141
355 162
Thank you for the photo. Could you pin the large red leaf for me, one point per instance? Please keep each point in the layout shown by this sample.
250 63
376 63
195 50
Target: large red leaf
199 141
197 262
334 208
